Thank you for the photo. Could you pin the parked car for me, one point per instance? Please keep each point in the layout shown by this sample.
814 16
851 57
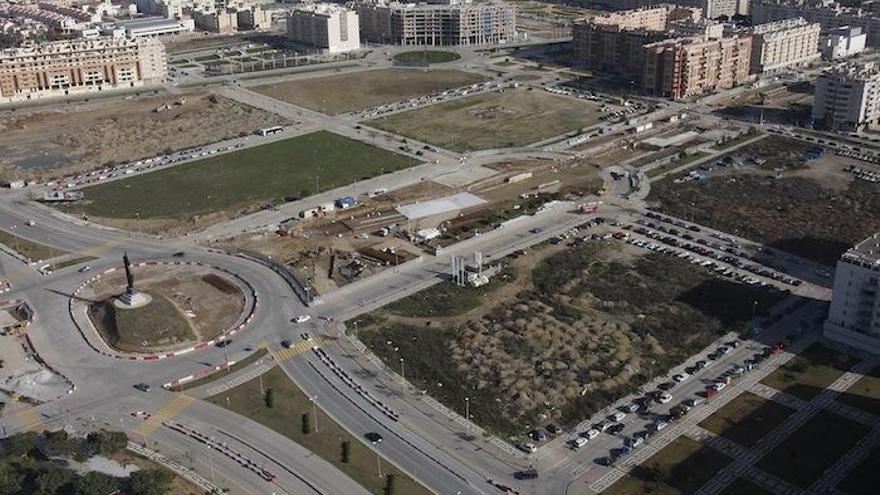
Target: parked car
590 434
528 474
578 442
528 448
616 428
302 318
617 416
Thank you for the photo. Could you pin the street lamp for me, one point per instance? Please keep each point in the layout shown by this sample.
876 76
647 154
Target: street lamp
467 412
403 370
313 400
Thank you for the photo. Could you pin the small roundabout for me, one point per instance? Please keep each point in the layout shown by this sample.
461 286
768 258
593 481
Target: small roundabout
158 309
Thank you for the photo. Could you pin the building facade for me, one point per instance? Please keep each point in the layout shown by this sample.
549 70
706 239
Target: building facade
829 14
842 42
847 98
455 24
784 44
685 67
713 9
329 27
854 315
79 66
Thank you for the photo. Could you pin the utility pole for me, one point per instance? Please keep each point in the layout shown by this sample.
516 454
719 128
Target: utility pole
467 412
314 402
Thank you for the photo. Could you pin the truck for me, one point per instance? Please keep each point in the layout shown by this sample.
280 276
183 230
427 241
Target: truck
345 202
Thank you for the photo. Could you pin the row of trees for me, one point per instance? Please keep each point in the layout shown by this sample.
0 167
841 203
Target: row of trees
34 464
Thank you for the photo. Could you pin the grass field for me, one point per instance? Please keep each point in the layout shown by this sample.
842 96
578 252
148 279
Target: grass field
426 57
250 359
33 251
359 90
741 486
865 393
159 323
681 467
810 372
862 480
802 457
290 404
255 176
493 120
747 419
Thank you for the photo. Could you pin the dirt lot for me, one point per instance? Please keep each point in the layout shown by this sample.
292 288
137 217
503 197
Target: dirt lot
517 117
207 304
358 90
570 331
83 137
814 211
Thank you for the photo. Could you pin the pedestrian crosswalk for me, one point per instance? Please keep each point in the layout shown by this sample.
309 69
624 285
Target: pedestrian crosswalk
169 411
297 349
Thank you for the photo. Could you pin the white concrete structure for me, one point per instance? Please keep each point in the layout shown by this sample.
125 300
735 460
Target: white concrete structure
854 317
330 27
713 9
155 26
847 97
783 44
842 42
828 13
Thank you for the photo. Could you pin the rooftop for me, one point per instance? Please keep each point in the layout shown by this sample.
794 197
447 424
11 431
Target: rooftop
865 252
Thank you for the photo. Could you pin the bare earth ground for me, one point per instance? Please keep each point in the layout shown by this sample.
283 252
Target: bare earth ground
214 307
66 140
358 90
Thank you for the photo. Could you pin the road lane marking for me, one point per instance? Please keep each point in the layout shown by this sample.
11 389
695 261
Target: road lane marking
32 421
169 411
16 275
297 349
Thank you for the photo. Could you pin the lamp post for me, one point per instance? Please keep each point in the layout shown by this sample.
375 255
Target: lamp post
314 402
467 412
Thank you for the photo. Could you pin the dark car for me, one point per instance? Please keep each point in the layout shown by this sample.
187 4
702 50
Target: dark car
373 437
223 343
143 387
554 428
286 343
179 254
617 428
528 474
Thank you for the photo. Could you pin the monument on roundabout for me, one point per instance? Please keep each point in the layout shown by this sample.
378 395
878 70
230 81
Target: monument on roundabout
131 298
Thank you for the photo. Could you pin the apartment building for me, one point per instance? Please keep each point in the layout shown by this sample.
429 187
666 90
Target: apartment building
615 41
847 97
854 315
713 9
842 42
829 14
451 24
328 27
784 44
684 67
78 66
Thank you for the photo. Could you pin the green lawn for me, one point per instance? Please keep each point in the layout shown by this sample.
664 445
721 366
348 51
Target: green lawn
514 118
810 372
865 393
250 177
744 487
802 457
33 251
426 57
862 480
747 419
158 324
250 359
285 417
680 468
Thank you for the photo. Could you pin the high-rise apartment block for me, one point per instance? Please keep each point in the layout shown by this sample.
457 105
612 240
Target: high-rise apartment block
82 65
847 97
646 45
448 24
828 13
713 9
784 44
842 42
329 27
854 316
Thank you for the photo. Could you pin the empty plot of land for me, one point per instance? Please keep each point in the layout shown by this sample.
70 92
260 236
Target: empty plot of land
810 372
512 118
863 479
681 467
865 393
456 202
348 92
82 137
814 447
251 177
747 419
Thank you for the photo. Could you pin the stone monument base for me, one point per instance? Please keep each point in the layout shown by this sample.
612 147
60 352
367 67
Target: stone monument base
132 300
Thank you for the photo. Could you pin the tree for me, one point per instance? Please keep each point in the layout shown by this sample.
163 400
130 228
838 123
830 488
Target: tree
306 424
50 478
389 484
270 398
61 445
11 480
106 442
97 483
150 482
346 451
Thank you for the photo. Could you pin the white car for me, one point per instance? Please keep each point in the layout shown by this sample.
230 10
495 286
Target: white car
664 398
617 416
591 433
31 223
578 442
719 386
302 318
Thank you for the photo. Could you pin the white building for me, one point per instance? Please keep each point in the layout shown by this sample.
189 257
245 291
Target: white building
842 42
330 27
783 44
155 26
713 9
847 97
854 317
